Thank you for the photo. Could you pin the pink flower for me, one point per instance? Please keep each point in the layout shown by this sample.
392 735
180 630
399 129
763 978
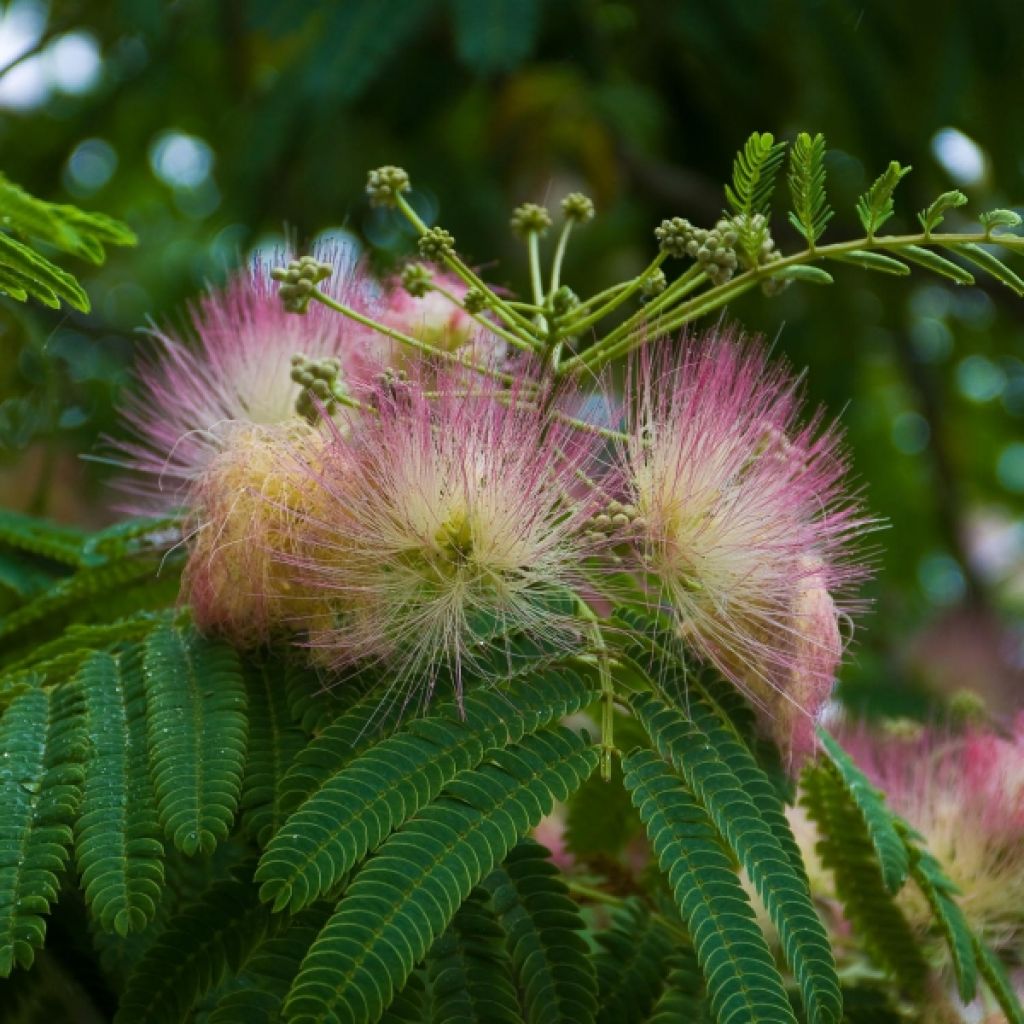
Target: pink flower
232 367
965 795
742 523
445 521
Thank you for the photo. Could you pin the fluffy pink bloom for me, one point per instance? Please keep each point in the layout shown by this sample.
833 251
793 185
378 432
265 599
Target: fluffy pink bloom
965 795
742 523
443 520
232 367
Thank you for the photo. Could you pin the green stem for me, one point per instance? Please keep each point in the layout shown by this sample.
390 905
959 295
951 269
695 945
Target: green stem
639 330
556 262
490 325
511 316
409 341
595 895
625 291
607 688
533 246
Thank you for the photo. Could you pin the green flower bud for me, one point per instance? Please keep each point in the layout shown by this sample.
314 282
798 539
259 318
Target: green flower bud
578 207
474 301
435 244
676 237
529 218
654 283
416 278
384 184
564 300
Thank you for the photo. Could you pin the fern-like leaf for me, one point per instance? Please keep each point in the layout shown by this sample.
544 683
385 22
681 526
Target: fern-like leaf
890 849
470 970
26 274
782 888
937 264
27 533
932 217
195 709
257 994
875 206
868 260
992 220
753 174
41 748
631 965
544 928
991 264
405 897
846 847
201 944
117 834
354 809
742 980
683 997
811 213
274 742
939 890
990 968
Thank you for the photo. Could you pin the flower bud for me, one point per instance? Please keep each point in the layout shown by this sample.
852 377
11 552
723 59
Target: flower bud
578 208
435 244
384 184
529 218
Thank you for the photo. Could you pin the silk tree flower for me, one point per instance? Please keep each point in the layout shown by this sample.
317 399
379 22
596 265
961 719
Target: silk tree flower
741 524
965 795
446 519
233 366
210 419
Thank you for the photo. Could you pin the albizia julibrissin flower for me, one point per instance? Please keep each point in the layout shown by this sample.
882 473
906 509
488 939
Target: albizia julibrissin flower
233 366
210 420
741 523
965 795
443 519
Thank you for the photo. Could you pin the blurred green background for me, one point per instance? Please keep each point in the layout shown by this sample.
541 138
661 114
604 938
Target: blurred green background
215 127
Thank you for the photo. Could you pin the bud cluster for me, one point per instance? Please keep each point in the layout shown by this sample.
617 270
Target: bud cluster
714 249
298 280
529 218
321 383
436 243
384 184
416 279
578 208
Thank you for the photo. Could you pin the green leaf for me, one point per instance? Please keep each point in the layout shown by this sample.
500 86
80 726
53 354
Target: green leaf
994 219
888 844
742 980
408 893
994 974
990 264
782 888
938 890
42 747
846 848
801 272
202 943
753 175
631 964
274 742
932 217
257 995
495 35
470 970
872 261
25 274
811 213
544 928
354 809
117 834
40 537
937 264
195 710
875 206
683 998
64 227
